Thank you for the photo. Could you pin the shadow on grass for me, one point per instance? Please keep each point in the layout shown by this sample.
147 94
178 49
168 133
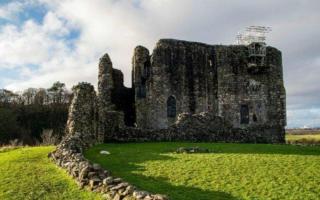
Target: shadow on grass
125 161
125 166
174 192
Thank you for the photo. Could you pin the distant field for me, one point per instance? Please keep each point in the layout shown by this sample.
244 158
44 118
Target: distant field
303 131
232 171
303 136
27 173
299 137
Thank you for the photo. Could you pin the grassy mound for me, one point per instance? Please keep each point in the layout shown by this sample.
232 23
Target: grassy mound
27 173
230 171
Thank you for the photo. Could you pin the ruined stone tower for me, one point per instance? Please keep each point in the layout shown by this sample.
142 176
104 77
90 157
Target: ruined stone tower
190 77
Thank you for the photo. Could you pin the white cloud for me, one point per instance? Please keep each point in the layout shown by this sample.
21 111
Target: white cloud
54 26
38 51
102 30
30 44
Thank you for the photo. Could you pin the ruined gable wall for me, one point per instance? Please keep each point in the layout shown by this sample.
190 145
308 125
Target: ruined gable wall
115 102
82 112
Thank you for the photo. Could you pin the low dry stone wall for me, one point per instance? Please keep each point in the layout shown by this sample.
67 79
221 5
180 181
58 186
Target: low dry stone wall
81 133
69 155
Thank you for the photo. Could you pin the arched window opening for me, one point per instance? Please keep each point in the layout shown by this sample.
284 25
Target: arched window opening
244 114
171 107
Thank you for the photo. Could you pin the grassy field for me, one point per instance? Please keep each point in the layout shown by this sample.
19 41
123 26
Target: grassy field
232 171
27 173
293 137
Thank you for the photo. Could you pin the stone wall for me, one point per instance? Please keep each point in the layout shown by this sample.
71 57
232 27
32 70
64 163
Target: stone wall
69 155
260 89
202 127
179 70
140 83
115 102
191 77
105 85
80 135
82 112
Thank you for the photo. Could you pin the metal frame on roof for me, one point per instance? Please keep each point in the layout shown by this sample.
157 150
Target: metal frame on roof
253 34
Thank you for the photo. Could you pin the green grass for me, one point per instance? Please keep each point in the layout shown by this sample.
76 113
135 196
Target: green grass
27 173
290 137
233 171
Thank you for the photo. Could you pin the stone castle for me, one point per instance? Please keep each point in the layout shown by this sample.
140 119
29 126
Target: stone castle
184 91
188 91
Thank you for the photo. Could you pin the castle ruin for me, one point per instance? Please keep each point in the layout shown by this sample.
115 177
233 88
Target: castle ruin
182 77
183 91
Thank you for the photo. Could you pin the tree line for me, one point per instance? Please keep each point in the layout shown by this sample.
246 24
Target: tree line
27 115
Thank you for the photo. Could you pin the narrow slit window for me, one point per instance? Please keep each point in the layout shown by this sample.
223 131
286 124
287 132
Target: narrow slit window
244 114
171 107
142 90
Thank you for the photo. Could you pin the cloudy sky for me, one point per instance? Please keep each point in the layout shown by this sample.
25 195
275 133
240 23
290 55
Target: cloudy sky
42 41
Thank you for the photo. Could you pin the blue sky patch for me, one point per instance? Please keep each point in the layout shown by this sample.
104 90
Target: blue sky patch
34 12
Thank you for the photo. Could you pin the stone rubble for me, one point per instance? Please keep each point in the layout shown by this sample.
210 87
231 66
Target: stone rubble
192 150
104 152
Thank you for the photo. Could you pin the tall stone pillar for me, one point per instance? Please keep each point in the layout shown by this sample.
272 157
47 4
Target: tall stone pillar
105 82
110 120
141 73
82 112
105 85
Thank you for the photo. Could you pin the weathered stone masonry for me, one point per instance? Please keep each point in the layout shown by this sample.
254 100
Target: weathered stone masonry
82 113
81 134
190 77
183 78
184 91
